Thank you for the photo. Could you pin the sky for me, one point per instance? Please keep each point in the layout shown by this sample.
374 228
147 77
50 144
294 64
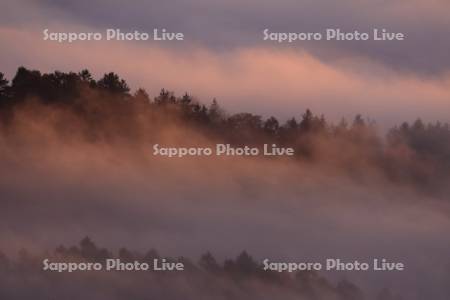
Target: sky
82 187
224 55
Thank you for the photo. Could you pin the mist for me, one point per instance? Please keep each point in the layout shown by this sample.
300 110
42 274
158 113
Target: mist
59 184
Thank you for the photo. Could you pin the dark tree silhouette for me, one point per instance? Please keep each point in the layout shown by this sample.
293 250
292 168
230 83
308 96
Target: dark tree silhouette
99 106
165 98
271 126
112 83
3 84
239 278
141 96
209 263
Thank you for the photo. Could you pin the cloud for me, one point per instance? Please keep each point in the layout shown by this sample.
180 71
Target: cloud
119 194
268 81
224 25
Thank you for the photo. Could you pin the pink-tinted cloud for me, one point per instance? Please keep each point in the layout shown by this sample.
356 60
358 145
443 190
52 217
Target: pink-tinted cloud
267 81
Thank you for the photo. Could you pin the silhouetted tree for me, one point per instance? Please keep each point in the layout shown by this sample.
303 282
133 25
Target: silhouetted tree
246 264
4 93
85 75
141 96
271 126
89 251
165 97
245 121
3 84
215 112
26 83
307 120
186 100
112 83
86 78
209 263
359 122
291 124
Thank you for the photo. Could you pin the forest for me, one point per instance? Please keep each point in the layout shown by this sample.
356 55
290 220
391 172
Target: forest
207 278
416 153
76 160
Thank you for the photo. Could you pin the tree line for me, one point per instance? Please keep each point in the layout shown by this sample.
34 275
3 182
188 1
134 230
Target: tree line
239 278
416 152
